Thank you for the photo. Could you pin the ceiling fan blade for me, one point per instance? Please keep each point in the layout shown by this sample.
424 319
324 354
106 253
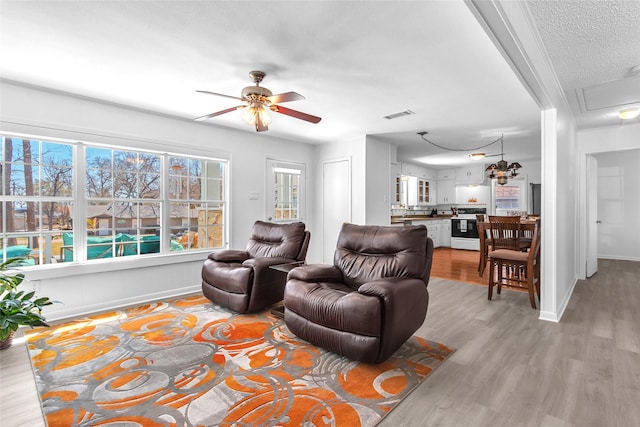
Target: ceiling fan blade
296 114
219 94
285 97
217 113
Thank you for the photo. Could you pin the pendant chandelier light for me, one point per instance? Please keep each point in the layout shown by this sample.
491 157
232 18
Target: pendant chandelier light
502 171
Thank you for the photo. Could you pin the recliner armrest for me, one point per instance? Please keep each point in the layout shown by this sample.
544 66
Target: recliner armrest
316 273
392 287
266 262
227 255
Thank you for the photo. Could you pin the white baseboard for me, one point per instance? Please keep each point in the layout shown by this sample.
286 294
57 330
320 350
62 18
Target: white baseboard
556 316
619 258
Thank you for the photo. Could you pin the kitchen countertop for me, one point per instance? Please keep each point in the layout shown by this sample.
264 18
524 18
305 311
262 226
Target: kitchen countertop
410 218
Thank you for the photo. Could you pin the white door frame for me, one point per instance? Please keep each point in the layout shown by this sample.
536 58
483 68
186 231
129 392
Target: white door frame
329 204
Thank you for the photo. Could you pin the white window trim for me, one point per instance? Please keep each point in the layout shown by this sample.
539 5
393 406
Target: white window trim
78 267
524 195
272 166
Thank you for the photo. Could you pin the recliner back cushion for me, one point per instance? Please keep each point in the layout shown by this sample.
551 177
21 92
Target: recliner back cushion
366 253
275 240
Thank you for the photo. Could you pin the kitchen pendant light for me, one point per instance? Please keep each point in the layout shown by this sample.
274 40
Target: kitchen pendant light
502 171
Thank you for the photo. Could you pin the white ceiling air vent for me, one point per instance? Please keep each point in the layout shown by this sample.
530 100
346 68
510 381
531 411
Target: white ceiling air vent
616 93
400 114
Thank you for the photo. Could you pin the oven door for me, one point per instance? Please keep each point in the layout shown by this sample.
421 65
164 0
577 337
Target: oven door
465 228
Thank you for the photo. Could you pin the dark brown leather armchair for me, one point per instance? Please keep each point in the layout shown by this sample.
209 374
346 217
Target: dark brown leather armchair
242 280
371 300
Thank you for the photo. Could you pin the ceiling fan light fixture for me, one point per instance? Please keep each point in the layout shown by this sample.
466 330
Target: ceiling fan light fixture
629 113
256 114
477 156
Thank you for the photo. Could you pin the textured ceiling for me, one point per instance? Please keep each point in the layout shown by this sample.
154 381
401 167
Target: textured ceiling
354 63
590 43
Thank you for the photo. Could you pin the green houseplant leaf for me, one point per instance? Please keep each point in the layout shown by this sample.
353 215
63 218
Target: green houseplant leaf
18 308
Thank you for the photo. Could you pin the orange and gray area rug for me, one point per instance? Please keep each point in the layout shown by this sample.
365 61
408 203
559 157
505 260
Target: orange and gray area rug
186 362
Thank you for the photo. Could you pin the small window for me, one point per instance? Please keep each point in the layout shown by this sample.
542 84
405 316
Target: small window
285 194
511 197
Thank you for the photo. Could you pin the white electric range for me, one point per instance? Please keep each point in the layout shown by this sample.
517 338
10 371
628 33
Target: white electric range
464 229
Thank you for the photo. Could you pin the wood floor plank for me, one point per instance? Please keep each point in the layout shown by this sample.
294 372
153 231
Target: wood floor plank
511 369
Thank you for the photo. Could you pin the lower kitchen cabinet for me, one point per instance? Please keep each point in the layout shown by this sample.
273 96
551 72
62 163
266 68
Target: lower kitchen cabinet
438 230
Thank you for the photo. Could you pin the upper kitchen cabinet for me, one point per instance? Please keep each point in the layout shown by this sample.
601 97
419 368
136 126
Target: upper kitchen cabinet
446 192
396 184
470 175
445 174
424 193
417 171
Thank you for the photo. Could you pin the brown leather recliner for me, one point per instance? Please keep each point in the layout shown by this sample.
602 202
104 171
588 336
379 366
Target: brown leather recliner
242 280
371 300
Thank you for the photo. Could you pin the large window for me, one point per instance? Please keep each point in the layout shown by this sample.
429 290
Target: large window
126 203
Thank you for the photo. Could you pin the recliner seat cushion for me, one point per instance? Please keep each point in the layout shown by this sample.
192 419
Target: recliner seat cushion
335 306
229 277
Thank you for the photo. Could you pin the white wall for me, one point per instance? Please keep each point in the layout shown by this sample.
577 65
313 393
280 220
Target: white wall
378 177
621 142
83 288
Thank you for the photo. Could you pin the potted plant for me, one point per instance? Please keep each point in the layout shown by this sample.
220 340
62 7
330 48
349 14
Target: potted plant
17 308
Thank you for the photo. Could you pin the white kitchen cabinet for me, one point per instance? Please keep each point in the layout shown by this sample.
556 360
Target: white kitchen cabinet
433 230
445 174
410 169
396 184
446 192
470 175
426 192
429 174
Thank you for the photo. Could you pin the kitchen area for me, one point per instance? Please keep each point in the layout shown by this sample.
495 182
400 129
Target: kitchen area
447 201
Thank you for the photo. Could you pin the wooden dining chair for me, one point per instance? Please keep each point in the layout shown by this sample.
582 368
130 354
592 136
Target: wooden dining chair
505 232
485 243
515 268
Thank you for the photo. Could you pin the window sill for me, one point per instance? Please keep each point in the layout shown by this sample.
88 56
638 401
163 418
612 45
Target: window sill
51 271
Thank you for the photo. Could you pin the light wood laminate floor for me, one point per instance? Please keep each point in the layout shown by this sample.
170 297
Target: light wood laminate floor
510 369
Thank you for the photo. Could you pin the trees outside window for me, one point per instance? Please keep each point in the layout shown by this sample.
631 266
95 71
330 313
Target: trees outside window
128 202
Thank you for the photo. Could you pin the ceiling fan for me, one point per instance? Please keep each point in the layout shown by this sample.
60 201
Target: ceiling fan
258 102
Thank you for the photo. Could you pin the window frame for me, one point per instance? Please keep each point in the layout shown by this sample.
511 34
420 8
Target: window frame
274 166
80 200
522 197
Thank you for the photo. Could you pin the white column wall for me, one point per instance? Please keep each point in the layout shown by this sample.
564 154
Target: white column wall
378 177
